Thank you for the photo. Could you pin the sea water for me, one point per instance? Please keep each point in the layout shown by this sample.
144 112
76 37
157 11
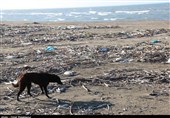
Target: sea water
111 13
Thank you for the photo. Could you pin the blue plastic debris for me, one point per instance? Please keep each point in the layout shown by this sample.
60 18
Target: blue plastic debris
104 49
155 41
50 48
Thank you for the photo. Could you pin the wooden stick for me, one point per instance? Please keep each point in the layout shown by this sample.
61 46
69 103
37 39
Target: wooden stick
9 89
71 109
86 88
107 85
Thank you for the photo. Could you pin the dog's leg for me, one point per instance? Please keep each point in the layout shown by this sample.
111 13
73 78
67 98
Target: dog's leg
21 89
46 92
42 89
28 88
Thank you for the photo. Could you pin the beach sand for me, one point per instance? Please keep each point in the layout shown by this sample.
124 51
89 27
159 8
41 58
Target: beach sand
136 87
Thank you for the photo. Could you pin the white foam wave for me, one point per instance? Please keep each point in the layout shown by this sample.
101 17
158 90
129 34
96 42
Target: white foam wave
133 12
105 19
79 13
92 12
2 13
113 19
93 18
60 19
40 13
25 19
104 13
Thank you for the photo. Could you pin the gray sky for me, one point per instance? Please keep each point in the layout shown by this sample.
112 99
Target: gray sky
36 4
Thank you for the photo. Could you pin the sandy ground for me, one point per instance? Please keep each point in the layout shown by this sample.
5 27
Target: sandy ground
120 98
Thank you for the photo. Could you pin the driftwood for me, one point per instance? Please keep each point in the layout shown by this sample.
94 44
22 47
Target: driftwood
84 87
71 113
107 85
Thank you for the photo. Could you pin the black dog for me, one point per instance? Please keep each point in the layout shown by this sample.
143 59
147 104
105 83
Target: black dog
42 79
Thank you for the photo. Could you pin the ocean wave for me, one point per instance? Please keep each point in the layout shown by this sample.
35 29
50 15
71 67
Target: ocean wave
105 19
78 13
56 20
93 18
113 19
104 13
92 12
60 19
2 13
40 13
133 12
25 19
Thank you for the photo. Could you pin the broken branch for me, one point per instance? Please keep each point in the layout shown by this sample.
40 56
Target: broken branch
86 88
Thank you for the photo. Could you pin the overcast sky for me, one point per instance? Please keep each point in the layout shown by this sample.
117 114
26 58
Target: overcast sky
36 4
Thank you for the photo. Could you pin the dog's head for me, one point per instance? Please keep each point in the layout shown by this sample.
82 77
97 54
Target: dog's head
57 79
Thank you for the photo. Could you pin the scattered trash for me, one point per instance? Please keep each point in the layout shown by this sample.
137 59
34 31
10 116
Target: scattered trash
50 48
70 73
155 41
107 85
118 59
9 57
158 93
56 113
26 44
27 113
64 106
61 89
103 49
7 98
83 56
38 52
168 61
10 82
164 80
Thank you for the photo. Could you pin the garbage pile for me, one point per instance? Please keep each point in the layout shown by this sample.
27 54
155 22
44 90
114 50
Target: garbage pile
26 35
141 33
75 27
114 77
58 60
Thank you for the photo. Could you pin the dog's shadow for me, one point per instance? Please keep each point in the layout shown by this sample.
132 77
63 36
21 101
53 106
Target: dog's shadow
93 105
76 107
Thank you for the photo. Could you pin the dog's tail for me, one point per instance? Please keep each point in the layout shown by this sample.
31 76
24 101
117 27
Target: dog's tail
18 79
15 85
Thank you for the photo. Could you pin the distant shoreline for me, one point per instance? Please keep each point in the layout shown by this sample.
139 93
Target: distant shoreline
137 22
